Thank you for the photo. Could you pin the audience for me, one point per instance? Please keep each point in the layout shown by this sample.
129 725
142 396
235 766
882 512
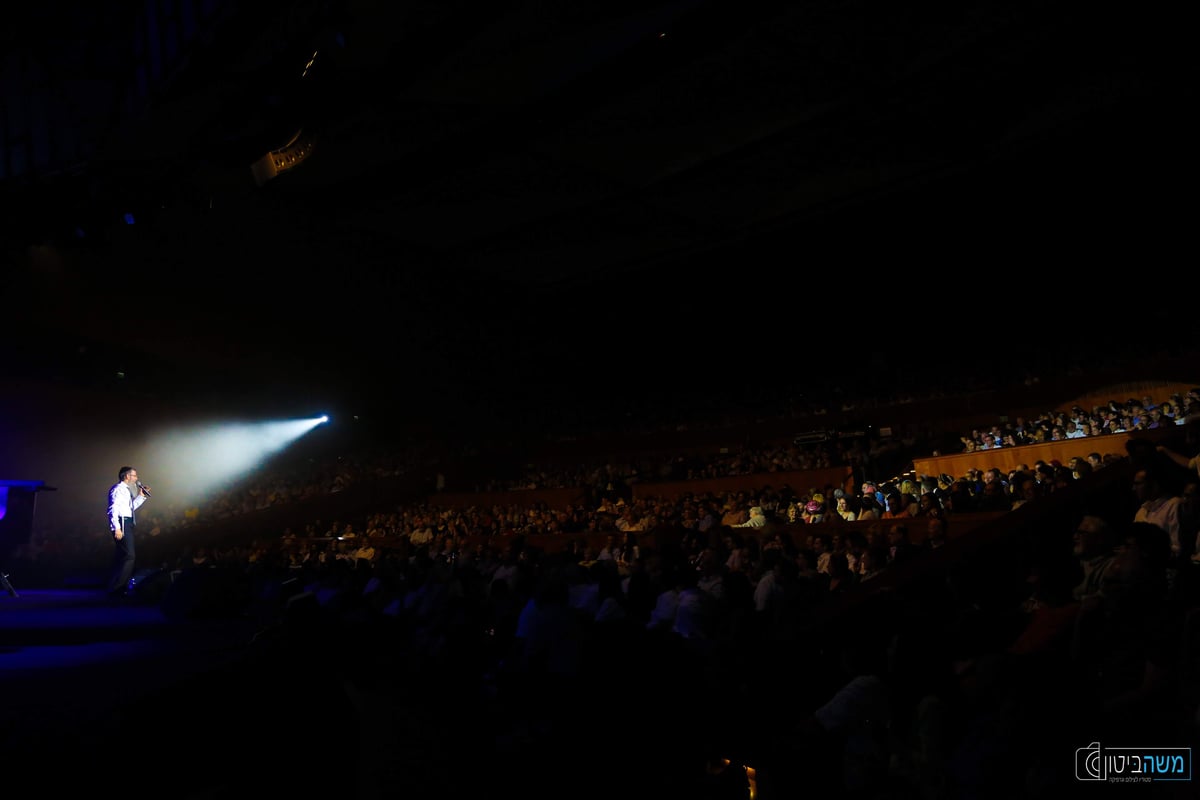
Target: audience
694 592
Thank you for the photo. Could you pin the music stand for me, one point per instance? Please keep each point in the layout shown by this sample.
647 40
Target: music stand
18 501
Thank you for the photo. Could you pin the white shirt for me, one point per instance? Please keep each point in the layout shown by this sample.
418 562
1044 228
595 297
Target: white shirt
758 520
1163 512
766 592
122 503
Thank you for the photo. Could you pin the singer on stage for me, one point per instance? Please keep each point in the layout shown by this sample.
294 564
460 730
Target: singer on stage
125 497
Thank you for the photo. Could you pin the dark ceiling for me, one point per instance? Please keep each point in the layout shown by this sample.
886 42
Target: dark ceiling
495 190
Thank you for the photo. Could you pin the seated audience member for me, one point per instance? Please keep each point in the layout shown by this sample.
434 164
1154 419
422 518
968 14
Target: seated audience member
898 507
757 519
930 506
814 510
935 533
1158 503
734 515
869 508
1093 546
994 496
847 508
1127 644
1027 488
958 500
899 546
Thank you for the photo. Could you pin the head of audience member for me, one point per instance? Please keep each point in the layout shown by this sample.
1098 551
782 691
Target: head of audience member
1028 489
1149 482
873 560
930 506
869 506
1093 537
960 498
1045 475
935 533
1139 570
843 506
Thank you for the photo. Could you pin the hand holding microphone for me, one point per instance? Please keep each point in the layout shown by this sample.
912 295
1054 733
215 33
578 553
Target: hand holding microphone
145 489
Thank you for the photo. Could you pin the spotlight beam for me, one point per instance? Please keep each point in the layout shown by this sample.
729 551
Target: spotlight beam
191 462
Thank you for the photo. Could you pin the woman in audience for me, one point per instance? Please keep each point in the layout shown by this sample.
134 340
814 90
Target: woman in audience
846 508
869 508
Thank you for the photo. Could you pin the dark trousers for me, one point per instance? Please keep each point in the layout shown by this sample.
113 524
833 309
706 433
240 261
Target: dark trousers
122 563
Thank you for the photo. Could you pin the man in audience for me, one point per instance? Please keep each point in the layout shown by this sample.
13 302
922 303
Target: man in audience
1126 643
899 546
1157 504
1093 546
1188 514
994 495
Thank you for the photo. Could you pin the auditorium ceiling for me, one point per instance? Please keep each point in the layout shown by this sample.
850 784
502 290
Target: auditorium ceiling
443 184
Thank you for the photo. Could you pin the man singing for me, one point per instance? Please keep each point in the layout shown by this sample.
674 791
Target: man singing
125 497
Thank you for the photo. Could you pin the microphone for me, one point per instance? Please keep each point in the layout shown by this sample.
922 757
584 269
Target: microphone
145 489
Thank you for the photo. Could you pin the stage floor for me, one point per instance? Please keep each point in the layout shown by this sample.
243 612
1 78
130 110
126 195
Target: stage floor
101 695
